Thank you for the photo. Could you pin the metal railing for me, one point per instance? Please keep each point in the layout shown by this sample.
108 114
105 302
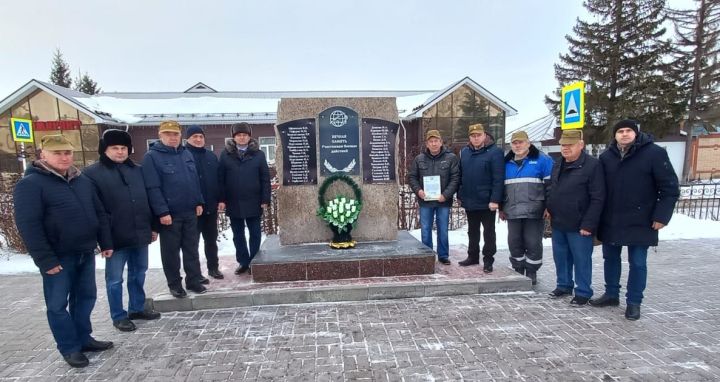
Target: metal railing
699 201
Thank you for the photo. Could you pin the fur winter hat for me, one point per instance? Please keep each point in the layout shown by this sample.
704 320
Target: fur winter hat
114 137
241 127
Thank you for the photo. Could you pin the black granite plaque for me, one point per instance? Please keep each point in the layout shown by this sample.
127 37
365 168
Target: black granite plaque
298 144
339 141
378 150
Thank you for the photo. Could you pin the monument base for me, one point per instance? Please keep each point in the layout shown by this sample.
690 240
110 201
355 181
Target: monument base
403 257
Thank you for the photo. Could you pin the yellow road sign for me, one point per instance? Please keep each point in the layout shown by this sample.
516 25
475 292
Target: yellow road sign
572 111
22 130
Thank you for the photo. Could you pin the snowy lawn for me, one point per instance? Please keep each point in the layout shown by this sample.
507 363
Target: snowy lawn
681 227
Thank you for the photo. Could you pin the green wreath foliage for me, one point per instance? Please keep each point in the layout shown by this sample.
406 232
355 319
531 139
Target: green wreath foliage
341 211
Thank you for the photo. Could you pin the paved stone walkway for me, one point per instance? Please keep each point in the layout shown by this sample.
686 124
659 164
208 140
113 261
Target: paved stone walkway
513 337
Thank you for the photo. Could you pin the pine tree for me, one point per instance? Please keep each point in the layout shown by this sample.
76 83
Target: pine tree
620 56
86 84
697 66
60 72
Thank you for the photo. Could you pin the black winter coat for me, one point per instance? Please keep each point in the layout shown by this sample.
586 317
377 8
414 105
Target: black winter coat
445 164
642 188
244 180
58 216
171 180
121 188
577 194
482 174
207 165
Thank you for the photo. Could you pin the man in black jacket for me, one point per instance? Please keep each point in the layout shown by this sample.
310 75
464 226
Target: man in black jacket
438 165
576 199
244 190
642 189
206 164
482 174
121 188
173 189
59 218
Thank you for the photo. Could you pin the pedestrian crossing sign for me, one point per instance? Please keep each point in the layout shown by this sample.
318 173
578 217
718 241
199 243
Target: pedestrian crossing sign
573 106
22 130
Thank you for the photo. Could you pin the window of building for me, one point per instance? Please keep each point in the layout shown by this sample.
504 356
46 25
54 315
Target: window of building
267 145
148 142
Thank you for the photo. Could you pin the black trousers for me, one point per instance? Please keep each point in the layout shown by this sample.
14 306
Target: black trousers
486 218
525 243
207 227
181 234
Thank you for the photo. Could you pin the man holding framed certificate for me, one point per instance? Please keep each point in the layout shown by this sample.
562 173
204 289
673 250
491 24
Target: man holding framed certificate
434 177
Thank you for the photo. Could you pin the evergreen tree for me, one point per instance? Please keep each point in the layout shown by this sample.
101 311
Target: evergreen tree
697 66
60 72
86 84
620 56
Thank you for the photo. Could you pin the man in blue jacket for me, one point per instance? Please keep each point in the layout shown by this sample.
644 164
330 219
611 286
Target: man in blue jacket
482 170
121 188
59 218
576 199
206 164
527 183
244 190
440 163
173 188
642 190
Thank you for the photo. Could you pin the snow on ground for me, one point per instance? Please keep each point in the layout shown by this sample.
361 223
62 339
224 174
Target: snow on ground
681 227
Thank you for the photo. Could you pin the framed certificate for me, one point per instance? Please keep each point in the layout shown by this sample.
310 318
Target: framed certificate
431 186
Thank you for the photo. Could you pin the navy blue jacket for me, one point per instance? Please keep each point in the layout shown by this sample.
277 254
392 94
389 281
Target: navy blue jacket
171 180
577 194
445 164
642 188
482 173
244 180
121 189
207 165
58 216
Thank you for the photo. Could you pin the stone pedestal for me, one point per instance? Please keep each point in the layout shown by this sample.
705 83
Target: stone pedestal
401 257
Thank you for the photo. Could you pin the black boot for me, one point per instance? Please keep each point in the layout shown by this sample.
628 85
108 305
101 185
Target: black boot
520 270
76 359
124 325
632 312
469 261
216 274
605 300
95 345
532 276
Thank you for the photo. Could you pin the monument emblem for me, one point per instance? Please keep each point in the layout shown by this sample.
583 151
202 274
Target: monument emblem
338 118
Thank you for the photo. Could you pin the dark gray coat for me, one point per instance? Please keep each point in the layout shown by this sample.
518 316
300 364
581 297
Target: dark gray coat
577 194
244 180
642 188
121 188
445 164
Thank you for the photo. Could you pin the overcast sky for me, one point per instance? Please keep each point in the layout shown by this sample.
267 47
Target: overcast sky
507 46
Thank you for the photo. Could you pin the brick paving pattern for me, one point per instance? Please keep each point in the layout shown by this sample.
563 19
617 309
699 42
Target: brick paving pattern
511 337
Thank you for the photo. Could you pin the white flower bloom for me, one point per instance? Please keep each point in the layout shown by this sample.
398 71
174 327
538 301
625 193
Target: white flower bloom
352 208
342 200
335 214
328 209
342 218
348 213
342 208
